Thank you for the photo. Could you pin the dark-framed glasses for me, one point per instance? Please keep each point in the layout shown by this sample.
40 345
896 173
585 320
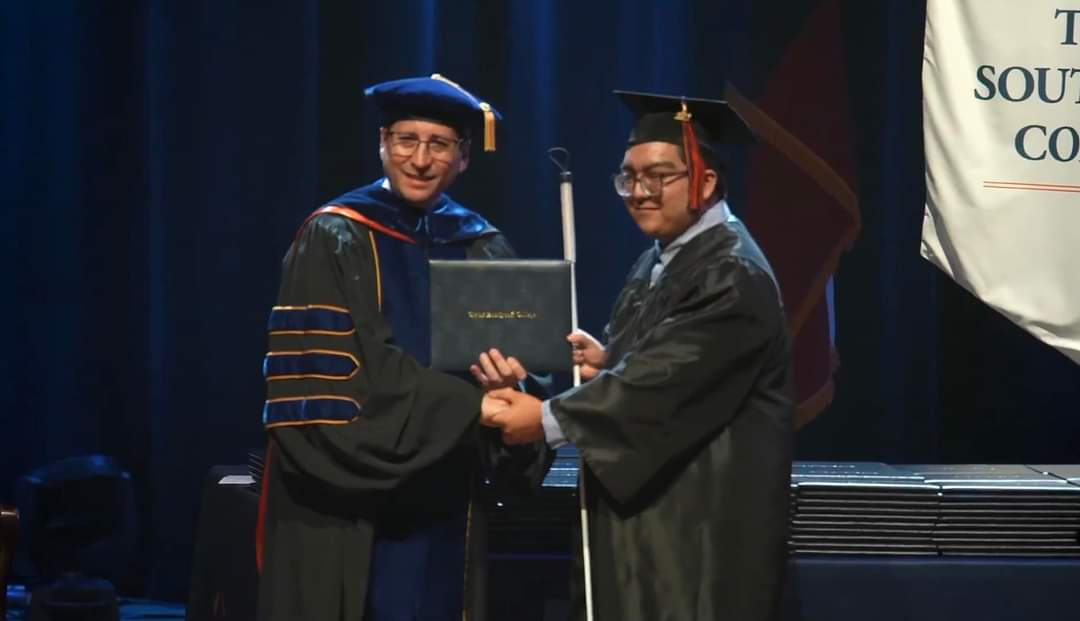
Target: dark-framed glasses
404 144
652 183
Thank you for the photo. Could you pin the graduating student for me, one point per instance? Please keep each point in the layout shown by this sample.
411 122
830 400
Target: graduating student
685 423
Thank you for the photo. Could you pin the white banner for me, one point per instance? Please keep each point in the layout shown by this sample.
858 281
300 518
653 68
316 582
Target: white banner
1001 122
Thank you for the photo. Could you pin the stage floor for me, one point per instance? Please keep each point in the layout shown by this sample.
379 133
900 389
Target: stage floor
130 609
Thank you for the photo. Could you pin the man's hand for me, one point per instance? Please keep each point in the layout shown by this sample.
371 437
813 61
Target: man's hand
587 352
520 418
489 407
495 372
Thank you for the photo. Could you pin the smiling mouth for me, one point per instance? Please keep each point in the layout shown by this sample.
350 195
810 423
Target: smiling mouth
417 178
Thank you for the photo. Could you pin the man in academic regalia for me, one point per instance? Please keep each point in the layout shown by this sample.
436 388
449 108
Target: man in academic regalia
685 423
370 506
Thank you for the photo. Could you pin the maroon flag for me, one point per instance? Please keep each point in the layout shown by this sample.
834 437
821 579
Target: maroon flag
802 209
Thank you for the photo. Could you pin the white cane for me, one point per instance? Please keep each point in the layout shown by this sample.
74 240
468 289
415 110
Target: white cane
566 198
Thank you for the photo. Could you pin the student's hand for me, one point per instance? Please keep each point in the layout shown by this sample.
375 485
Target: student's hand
495 372
521 420
587 352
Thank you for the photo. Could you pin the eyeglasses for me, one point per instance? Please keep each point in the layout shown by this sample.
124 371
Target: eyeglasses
405 144
652 184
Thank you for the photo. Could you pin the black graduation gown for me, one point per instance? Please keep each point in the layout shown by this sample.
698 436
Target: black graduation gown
372 503
686 438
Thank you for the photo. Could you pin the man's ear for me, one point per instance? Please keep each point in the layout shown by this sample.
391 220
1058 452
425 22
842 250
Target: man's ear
383 135
463 162
709 181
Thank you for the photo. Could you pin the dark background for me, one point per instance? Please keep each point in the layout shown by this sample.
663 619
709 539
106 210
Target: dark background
158 156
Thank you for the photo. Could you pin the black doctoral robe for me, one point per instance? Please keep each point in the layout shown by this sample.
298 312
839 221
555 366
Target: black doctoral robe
686 438
372 504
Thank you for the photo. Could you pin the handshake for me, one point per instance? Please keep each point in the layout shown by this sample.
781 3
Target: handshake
517 414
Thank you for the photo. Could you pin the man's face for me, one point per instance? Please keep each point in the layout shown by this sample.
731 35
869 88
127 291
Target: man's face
666 214
421 171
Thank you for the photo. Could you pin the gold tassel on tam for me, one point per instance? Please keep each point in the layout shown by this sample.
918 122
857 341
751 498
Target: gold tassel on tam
489 126
489 114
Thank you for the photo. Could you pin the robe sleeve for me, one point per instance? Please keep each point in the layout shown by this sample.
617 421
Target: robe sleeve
679 385
368 427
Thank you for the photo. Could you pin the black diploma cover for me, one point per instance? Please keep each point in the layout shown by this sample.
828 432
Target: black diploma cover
519 306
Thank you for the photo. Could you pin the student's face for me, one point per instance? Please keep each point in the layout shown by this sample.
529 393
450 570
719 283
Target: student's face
664 213
421 172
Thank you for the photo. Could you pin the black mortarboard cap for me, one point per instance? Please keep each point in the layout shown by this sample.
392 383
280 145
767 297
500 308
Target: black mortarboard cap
438 99
657 119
